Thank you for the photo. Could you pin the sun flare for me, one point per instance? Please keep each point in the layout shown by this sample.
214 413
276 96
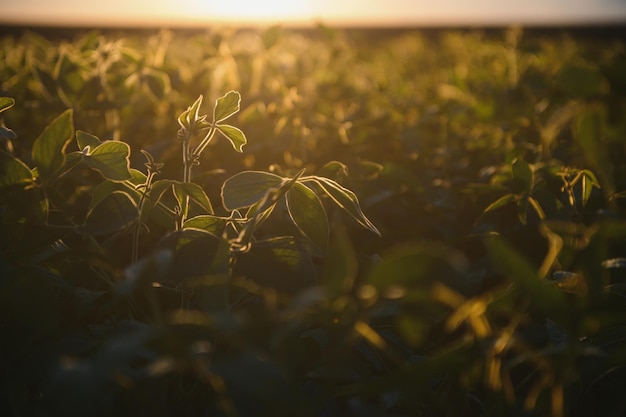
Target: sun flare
251 10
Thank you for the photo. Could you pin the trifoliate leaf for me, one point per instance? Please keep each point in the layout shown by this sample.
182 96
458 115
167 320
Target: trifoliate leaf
234 135
226 106
111 159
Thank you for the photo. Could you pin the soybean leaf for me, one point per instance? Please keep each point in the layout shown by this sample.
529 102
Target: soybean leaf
502 201
282 263
107 187
247 187
111 159
13 171
589 181
416 266
589 131
271 36
308 214
581 80
195 193
522 176
188 246
209 223
519 270
346 200
226 106
157 82
115 212
340 264
84 139
158 189
6 103
181 190
234 135
49 148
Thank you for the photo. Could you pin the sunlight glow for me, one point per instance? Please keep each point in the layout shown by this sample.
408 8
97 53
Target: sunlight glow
255 10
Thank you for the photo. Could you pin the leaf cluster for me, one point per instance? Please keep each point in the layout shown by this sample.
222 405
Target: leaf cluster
486 279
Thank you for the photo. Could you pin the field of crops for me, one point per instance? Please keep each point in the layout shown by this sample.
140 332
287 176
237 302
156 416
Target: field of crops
321 222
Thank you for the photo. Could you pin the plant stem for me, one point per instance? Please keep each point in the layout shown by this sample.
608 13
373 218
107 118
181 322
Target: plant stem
203 144
146 190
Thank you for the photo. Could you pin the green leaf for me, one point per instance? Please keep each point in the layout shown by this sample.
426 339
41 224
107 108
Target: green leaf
308 214
157 190
510 263
84 139
502 201
111 159
115 212
195 193
589 131
108 187
180 190
271 36
341 266
582 80
49 148
281 263
209 223
234 135
247 187
189 246
157 82
226 106
6 103
416 266
345 199
13 171
522 176
589 181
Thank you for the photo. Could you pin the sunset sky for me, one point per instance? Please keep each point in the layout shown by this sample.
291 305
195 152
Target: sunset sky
352 12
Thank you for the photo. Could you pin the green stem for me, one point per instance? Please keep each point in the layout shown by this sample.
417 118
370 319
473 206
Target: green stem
203 144
146 190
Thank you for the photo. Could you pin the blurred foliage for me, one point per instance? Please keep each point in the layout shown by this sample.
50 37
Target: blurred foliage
492 163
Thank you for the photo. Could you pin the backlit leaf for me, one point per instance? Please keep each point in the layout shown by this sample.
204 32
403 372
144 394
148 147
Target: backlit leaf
281 263
195 193
107 187
6 103
247 187
308 214
589 181
115 212
345 199
226 106
511 264
502 201
84 139
522 175
13 171
49 148
111 159
234 135
211 224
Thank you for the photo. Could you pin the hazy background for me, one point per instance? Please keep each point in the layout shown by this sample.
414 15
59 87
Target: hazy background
341 12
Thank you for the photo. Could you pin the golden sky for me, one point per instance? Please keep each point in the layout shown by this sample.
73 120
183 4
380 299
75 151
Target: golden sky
354 12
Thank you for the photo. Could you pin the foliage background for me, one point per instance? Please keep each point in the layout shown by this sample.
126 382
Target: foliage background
492 162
